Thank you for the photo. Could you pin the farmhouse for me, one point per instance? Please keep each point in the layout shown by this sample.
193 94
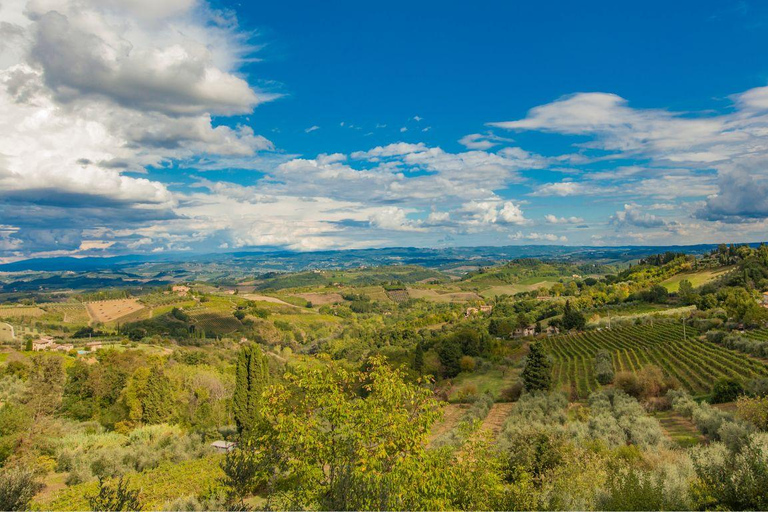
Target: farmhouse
525 331
44 343
180 289
223 446
94 345
473 311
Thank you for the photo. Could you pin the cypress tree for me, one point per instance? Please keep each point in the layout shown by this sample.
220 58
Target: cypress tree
251 378
537 374
418 358
156 404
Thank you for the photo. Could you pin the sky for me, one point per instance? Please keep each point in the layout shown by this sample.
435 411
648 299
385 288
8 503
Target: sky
193 126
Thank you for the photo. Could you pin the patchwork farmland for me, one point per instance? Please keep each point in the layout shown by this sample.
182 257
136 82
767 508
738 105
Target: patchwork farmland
695 363
106 311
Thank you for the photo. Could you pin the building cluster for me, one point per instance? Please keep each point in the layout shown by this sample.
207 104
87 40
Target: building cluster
48 343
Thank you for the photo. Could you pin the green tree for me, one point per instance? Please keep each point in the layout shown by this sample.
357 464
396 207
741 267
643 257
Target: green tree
537 374
157 401
115 498
17 488
251 379
46 384
28 345
573 319
418 358
450 355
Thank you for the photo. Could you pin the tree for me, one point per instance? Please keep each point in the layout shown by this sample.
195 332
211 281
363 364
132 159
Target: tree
251 378
726 390
573 319
17 488
158 394
450 355
418 358
537 374
337 450
46 384
604 367
115 498
28 346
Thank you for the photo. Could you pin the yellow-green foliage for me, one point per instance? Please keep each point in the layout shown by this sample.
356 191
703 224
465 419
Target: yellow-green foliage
157 486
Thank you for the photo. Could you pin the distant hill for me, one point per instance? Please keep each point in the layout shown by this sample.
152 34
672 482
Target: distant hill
287 261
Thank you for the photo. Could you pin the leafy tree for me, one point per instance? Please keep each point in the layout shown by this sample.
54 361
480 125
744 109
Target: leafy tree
251 378
325 446
754 410
158 397
115 498
450 355
28 345
604 367
537 374
573 319
418 358
726 390
46 384
17 488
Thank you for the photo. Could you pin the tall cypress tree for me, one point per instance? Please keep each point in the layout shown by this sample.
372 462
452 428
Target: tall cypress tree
251 378
537 374
157 401
418 358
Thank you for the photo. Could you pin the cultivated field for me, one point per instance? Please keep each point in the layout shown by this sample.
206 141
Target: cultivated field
695 363
398 295
71 313
442 296
6 333
105 311
321 299
264 298
696 278
20 312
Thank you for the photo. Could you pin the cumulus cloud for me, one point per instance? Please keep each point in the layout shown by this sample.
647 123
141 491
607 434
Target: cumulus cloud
720 156
632 215
539 237
554 219
92 90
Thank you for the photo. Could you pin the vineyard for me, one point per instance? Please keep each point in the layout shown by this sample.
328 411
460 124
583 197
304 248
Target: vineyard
214 323
695 363
158 486
71 313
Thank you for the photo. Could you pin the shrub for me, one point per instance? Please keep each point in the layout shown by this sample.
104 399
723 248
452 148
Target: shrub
115 498
467 364
628 383
512 393
754 410
726 390
604 367
17 488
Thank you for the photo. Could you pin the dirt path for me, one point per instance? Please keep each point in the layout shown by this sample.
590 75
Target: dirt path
452 413
496 418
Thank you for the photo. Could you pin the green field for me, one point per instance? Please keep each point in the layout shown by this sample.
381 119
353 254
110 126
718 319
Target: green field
696 364
697 279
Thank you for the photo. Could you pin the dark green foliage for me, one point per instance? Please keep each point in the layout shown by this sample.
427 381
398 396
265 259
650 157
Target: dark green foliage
418 358
239 314
78 399
115 498
604 367
241 470
726 390
157 403
28 345
450 355
501 327
17 488
178 314
251 378
573 319
537 374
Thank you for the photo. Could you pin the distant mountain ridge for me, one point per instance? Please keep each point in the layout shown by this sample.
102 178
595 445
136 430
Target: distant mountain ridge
297 261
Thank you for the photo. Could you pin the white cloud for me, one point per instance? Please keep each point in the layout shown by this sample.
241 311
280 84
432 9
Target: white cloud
539 237
312 129
632 215
553 219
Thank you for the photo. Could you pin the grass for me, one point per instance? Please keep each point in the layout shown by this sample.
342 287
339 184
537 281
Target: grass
492 382
697 279
679 429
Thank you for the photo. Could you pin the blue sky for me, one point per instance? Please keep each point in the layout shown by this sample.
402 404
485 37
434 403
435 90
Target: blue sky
186 126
